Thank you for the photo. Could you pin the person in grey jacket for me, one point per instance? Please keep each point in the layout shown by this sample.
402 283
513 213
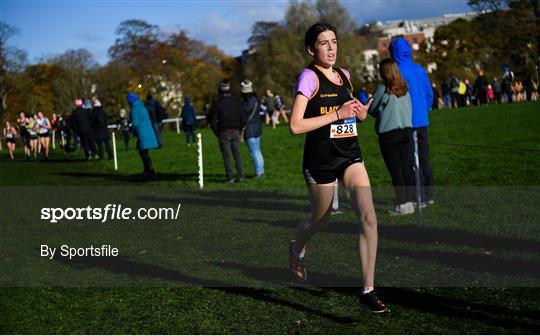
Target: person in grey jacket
253 130
392 109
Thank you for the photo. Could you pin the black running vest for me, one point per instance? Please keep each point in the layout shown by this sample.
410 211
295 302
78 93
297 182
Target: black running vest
320 151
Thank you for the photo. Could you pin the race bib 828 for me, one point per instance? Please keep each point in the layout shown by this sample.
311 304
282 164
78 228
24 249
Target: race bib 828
344 129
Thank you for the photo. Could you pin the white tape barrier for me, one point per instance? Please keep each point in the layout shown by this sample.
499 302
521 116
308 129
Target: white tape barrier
178 121
201 173
114 151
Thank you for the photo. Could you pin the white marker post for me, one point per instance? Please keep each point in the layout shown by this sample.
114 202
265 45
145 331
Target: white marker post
0 144
114 151
177 125
63 139
53 139
417 178
201 175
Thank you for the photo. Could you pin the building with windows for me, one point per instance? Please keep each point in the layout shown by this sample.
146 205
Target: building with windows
419 33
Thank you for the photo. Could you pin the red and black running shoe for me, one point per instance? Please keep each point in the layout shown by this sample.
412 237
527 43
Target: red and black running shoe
371 301
296 264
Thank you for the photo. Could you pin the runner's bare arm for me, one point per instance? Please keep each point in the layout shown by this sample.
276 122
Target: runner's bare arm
300 125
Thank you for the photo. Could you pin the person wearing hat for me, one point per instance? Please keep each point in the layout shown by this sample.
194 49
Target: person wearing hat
253 130
227 119
146 137
101 133
123 125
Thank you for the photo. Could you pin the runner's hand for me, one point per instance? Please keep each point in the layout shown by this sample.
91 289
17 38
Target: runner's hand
362 109
348 110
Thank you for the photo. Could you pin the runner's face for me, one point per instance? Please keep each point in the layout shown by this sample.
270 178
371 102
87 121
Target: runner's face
325 51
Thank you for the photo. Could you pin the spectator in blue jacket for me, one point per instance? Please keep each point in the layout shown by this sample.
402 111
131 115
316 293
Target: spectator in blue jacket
146 137
188 120
421 98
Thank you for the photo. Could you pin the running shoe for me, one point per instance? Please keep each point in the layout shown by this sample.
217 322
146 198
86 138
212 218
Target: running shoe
296 264
402 209
371 301
337 211
430 201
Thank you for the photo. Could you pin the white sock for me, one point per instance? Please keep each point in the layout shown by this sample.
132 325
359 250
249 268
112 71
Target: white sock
299 255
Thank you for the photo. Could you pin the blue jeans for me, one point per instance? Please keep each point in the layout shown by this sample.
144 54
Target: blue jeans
447 101
254 145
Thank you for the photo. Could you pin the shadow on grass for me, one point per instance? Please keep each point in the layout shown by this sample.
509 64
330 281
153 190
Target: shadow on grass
483 261
237 199
136 268
425 236
137 178
406 298
473 262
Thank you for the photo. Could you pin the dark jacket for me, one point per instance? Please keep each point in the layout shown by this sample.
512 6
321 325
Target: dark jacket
188 113
99 124
251 115
417 81
227 114
81 120
480 84
151 107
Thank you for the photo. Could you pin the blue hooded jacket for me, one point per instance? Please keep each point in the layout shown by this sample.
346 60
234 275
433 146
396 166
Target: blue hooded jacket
141 124
417 80
188 113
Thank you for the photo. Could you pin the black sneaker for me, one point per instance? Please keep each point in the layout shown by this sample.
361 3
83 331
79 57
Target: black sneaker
371 301
296 264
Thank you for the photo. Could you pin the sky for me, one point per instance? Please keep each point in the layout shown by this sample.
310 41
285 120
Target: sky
48 27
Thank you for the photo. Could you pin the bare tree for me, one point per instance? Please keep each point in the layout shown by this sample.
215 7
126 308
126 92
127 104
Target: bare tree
12 62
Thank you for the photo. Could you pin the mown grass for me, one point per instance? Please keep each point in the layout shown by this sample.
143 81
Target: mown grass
222 269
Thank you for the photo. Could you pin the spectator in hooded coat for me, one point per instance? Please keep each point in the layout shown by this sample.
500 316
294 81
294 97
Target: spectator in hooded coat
146 136
421 98
189 120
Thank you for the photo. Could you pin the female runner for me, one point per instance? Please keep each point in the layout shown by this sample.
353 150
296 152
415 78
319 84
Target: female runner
325 109
45 128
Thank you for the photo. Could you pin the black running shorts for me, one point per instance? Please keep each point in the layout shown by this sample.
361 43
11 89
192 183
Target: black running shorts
328 176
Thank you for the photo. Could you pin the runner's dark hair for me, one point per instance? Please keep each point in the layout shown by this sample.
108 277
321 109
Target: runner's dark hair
313 32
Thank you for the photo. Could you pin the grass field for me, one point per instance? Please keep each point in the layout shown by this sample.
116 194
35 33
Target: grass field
473 268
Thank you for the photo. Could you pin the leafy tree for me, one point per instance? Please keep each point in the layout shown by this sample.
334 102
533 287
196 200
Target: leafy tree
487 42
279 53
486 5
